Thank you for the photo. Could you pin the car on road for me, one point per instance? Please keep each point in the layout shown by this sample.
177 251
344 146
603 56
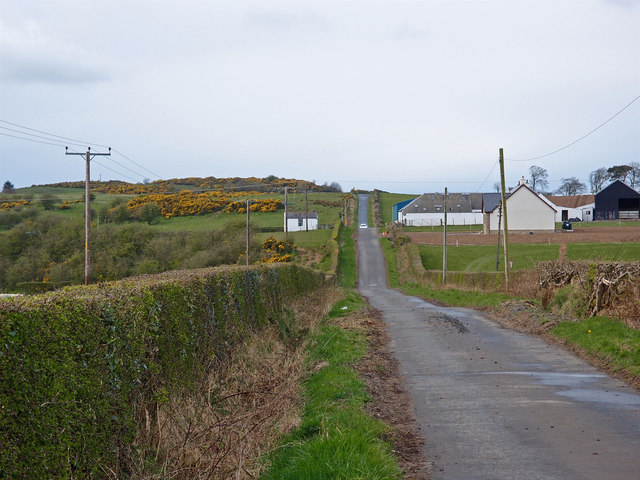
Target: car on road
363 225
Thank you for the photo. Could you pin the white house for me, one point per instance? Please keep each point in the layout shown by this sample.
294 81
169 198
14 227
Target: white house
573 206
526 211
297 221
428 210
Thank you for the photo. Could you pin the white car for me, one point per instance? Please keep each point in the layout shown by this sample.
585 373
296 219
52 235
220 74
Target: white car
363 225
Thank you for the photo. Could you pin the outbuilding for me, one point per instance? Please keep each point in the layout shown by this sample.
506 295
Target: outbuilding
569 207
428 210
297 221
617 201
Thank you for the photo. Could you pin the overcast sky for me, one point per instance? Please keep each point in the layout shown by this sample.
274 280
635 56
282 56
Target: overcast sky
401 96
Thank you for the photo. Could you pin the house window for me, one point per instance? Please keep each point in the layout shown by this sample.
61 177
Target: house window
300 223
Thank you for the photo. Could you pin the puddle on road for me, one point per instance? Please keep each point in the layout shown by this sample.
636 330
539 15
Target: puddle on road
576 389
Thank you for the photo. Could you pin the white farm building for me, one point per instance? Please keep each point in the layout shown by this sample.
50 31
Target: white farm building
526 211
428 210
297 221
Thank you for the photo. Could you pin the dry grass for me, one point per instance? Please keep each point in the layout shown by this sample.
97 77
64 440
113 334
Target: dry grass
239 412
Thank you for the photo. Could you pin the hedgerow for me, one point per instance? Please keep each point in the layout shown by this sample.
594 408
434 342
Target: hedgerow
83 369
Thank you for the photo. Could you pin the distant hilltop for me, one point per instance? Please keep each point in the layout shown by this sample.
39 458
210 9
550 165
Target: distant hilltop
270 184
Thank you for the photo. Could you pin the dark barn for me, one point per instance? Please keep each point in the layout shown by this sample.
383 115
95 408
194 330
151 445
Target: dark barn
617 201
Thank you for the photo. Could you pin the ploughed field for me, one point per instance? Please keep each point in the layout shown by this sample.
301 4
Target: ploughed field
592 234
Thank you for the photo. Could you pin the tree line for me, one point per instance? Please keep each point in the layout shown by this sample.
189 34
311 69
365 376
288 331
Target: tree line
599 178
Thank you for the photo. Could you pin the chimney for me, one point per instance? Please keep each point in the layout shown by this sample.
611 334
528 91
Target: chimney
523 181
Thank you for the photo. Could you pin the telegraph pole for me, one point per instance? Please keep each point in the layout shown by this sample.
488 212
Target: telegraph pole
87 207
306 207
286 213
444 249
505 225
248 231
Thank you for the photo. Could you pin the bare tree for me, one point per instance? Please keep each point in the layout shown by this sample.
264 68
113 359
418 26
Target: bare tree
634 174
598 178
539 178
571 186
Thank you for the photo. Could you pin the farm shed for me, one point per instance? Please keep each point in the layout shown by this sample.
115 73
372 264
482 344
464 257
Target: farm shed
396 208
428 210
297 221
617 201
572 206
526 210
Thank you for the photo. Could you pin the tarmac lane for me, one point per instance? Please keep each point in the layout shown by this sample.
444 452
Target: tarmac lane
492 403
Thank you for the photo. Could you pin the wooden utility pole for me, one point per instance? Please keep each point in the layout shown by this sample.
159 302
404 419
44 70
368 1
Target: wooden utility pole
87 208
286 213
306 207
505 223
248 233
499 223
444 241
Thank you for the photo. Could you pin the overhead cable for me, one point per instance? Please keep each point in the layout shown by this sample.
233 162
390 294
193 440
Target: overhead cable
579 139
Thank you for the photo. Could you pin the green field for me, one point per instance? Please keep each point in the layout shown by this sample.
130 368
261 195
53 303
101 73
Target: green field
617 252
482 258
388 200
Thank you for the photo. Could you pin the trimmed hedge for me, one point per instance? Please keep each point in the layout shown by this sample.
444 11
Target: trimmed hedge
78 366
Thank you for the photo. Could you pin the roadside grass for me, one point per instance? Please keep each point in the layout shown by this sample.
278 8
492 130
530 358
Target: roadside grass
608 340
617 252
455 297
392 263
336 439
388 200
347 271
482 258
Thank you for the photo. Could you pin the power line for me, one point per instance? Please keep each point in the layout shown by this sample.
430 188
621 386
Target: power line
579 139
487 177
80 142
144 168
74 142
32 140
115 171
31 134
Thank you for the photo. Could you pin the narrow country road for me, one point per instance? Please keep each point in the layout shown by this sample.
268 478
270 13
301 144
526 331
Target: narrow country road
492 403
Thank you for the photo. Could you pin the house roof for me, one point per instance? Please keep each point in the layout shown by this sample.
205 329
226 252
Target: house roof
492 200
400 205
571 201
434 203
297 215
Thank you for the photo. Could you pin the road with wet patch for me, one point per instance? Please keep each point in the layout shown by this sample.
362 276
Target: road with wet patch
492 403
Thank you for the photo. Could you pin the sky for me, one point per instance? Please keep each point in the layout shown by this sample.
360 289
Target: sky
403 96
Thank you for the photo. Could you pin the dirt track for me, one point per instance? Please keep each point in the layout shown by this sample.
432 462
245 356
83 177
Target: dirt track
579 235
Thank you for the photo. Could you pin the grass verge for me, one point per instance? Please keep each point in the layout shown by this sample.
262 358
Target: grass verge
347 271
336 438
392 263
455 297
608 341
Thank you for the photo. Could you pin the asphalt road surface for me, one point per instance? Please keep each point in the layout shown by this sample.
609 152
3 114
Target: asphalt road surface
492 403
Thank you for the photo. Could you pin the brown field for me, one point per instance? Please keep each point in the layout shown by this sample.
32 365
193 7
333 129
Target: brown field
603 234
